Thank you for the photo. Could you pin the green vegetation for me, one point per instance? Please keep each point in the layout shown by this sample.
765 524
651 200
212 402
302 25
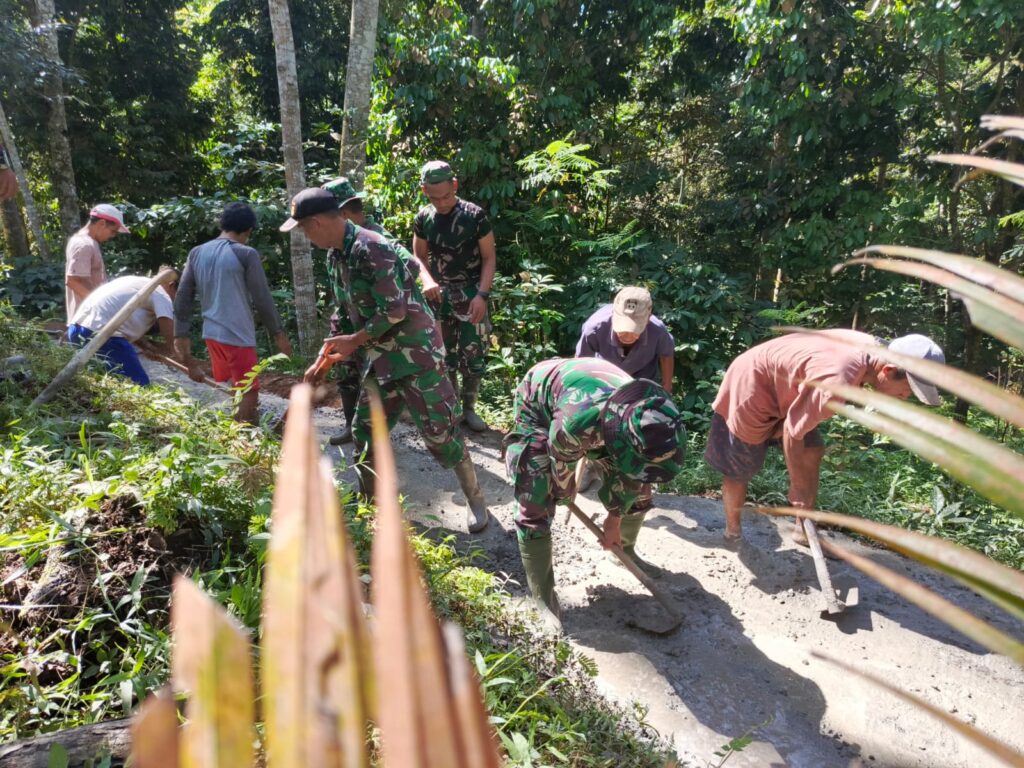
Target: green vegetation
725 154
131 486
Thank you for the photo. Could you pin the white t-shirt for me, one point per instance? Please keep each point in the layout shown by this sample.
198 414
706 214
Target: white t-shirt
84 260
102 304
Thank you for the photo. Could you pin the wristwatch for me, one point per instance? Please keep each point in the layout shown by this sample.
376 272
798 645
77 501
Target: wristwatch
485 295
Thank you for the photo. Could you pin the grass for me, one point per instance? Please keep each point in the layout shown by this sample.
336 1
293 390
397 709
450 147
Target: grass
867 475
133 484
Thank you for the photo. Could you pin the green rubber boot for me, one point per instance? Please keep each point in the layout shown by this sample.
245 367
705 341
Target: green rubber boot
630 529
540 577
470 392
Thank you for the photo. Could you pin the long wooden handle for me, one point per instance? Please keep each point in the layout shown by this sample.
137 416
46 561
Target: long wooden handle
832 603
184 369
666 602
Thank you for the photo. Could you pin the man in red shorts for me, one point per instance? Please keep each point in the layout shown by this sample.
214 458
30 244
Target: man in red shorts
229 278
764 400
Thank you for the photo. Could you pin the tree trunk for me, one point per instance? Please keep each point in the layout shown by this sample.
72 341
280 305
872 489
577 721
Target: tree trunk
14 230
291 139
85 745
26 193
358 89
63 172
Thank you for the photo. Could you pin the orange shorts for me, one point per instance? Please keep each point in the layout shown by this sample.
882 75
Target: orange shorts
230 363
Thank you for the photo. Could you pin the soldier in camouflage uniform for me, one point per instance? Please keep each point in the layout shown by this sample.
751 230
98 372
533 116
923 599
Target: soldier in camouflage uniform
404 354
351 203
629 429
453 241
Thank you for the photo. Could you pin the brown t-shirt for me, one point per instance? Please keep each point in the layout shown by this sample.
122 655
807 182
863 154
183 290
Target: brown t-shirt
84 260
764 388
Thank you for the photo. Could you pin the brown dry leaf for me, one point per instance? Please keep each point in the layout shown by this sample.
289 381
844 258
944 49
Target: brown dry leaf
316 673
211 661
478 742
419 715
343 677
155 732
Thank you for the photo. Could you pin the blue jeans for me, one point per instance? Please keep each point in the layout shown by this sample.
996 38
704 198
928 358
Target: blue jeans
118 354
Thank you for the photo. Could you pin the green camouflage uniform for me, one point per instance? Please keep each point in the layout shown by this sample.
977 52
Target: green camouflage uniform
349 371
405 356
454 260
558 415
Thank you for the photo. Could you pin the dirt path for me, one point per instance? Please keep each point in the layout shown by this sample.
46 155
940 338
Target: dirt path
742 656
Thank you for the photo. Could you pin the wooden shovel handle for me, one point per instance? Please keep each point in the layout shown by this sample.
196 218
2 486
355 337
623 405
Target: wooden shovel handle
666 602
832 603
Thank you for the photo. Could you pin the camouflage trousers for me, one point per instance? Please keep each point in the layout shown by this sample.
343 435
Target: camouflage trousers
429 398
466 343
533 480
348 371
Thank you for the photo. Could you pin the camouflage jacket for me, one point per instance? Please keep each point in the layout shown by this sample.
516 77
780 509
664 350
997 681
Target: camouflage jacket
341 320
453 241
559 407
378 289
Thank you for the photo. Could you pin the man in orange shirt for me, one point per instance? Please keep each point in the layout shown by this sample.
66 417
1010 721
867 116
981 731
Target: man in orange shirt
765 400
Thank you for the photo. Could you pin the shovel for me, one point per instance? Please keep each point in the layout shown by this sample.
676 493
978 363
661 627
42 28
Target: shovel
667 602
832 603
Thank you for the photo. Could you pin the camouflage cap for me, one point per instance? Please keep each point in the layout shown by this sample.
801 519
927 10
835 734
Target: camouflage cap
342 189
435 172
643 432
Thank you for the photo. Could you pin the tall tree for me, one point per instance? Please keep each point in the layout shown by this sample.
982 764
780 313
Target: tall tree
358 89
14 229
26 193
291 140
63 172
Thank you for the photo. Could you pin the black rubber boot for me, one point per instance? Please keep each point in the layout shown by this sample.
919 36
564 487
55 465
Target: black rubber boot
349 401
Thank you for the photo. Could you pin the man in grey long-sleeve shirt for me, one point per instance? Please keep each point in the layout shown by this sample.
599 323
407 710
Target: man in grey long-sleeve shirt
229 278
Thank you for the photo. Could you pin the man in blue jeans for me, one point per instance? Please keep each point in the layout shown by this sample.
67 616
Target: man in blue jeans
118 352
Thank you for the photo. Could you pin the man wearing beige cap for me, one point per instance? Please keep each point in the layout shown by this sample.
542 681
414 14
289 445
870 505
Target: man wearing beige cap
84 270
626 334
766 399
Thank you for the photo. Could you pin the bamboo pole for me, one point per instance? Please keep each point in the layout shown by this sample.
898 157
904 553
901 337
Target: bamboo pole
85 353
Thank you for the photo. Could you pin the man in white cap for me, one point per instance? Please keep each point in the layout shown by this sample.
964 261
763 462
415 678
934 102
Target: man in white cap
765 399
84 270
627 334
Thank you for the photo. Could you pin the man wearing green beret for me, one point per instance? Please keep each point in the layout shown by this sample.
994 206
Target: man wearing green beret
399 341
351 208
454 243
628 429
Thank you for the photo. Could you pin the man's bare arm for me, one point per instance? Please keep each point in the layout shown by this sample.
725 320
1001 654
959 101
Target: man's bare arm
420 252
667 365
488 266
804 465
79 286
